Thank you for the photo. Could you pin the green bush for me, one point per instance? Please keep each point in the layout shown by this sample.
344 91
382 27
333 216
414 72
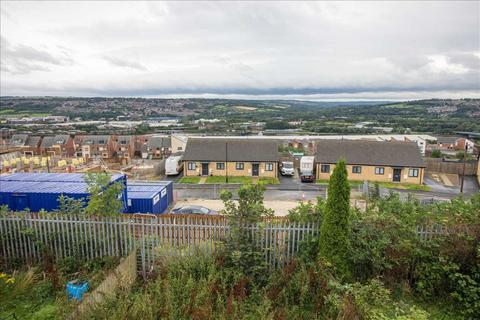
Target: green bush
335 229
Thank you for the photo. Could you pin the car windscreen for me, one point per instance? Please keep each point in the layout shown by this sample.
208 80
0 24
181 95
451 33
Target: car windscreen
288 165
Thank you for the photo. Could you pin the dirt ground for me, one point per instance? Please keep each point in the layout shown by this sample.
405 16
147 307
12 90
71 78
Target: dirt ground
281 208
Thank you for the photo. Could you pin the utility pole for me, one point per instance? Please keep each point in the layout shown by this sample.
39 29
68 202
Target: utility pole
464 164
226 161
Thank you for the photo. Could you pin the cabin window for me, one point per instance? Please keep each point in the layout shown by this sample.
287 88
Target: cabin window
220 165
325 168
379 170
357 169
413 173
239 166
268 166
191 165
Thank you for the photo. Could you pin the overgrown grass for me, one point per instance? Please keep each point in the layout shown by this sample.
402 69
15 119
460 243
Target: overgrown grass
405 186
199 287
389 185
39 293
231 179
192 180
268 180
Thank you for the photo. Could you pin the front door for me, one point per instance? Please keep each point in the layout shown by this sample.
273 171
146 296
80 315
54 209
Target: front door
397 174
204 169
255 167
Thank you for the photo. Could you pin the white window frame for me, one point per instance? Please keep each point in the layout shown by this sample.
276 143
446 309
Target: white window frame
413 172
269 166
192 165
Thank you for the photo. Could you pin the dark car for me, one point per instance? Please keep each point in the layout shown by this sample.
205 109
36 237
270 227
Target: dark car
193 210
307 176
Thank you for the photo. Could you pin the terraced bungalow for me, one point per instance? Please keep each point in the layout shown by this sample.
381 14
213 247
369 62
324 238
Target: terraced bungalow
399 162
231 157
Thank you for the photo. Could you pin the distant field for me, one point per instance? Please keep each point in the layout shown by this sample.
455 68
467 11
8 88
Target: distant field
22 115
7 111
246 108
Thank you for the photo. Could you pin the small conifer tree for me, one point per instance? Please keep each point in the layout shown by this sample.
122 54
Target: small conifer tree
335 229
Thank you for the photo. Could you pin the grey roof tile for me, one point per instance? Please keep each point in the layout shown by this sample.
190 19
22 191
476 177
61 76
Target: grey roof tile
204 149
374 153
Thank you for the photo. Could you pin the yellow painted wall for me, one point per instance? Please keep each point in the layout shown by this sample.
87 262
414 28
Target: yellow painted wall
368 174
232 171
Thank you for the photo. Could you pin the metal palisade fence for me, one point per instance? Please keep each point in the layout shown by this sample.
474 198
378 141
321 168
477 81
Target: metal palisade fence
33 237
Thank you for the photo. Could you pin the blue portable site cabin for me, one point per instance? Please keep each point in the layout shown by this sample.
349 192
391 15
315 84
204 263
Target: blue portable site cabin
148 197
40 191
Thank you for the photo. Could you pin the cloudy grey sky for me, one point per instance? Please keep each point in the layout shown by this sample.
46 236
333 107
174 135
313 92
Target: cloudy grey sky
310 50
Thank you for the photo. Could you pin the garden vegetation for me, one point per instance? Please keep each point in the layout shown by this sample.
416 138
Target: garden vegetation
363 265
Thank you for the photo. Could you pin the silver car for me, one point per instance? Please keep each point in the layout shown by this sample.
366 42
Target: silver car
193 210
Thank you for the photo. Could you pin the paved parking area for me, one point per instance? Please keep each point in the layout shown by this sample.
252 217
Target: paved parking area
450 183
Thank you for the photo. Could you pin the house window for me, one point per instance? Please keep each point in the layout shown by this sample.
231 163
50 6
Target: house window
239 166
357 169
413 173
220 165
325 168
379 170
268 166
179 148
191 165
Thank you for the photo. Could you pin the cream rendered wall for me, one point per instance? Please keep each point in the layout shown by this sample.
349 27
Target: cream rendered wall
232 171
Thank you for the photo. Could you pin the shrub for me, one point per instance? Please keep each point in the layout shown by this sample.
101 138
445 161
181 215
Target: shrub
335 229
243 251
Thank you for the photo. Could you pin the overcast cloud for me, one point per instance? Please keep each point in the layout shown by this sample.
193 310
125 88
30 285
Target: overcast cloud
311 50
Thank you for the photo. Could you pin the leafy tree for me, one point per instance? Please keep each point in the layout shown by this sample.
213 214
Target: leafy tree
105 197
335 229
243 250
307 212
67 205
436 154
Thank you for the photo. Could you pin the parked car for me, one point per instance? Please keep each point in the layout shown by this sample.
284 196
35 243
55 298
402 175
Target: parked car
307 176
287 168
193 210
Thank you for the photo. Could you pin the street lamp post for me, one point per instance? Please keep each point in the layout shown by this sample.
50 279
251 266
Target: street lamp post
464 164
226 161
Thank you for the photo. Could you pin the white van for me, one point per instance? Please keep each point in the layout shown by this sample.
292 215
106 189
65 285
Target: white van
174 165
